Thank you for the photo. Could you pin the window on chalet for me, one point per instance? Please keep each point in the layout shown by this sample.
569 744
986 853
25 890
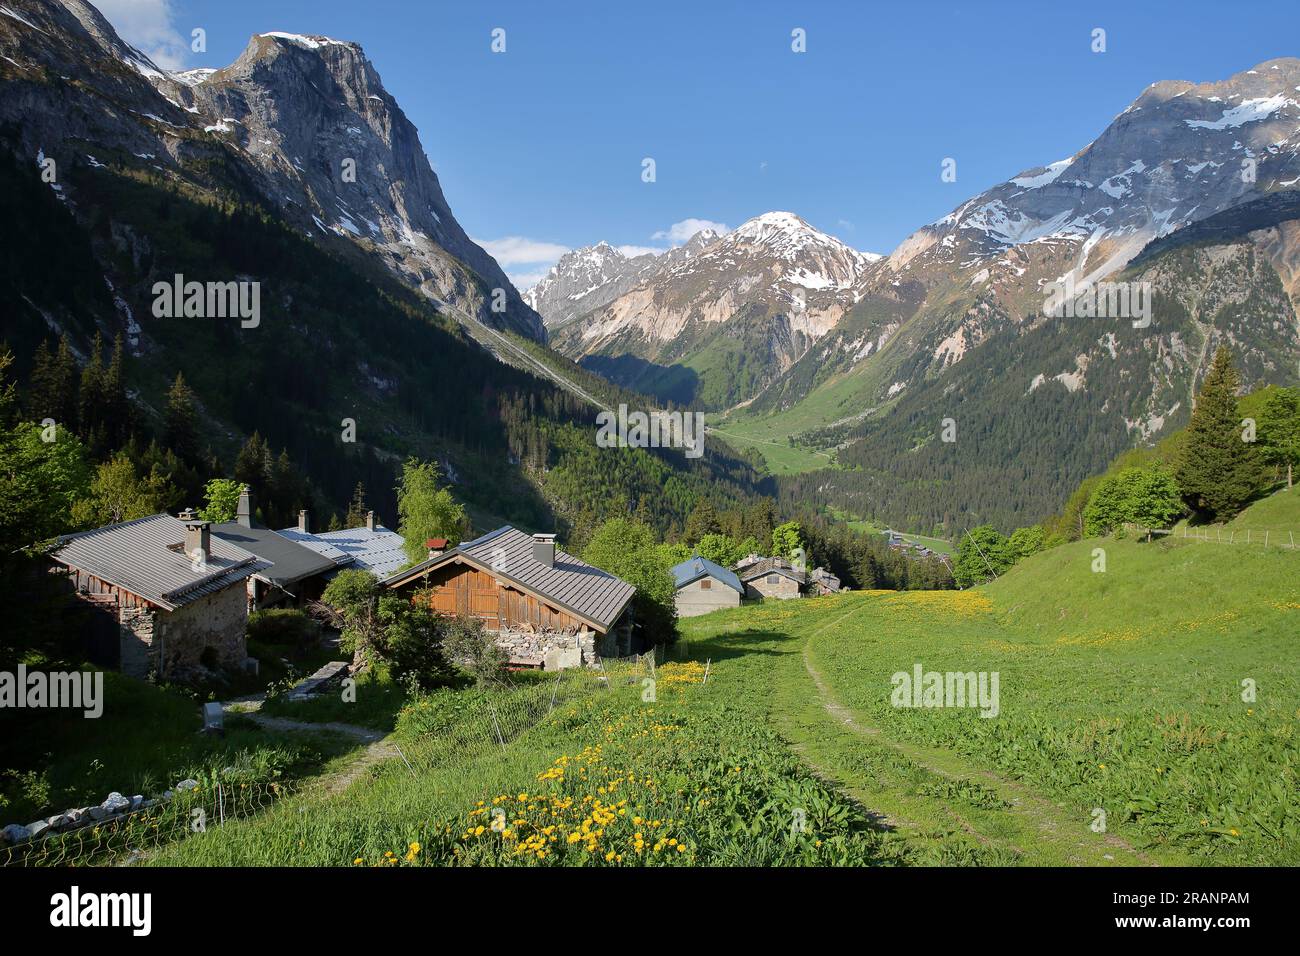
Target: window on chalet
706 585
773 579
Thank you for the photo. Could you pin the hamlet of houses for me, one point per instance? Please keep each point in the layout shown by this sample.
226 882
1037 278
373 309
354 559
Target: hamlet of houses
172 595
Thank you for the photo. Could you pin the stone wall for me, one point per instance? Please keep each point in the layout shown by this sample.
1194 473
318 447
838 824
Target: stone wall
215 621
782 589
695 598
554 650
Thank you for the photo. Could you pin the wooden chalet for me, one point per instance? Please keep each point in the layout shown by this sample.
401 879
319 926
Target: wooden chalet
513 581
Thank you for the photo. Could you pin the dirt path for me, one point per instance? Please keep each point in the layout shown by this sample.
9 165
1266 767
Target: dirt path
1033 810
378 747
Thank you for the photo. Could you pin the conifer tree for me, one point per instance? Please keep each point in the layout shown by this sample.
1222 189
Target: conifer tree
181 428
1217 469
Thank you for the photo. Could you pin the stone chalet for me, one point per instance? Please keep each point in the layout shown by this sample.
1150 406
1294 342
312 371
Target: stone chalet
547 608
703 586
167 596
772 578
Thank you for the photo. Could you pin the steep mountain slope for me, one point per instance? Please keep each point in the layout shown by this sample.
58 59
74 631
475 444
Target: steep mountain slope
304 123
1180 153
1042 403
720 318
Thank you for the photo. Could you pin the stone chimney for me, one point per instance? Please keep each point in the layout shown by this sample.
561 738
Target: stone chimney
436 546
544 549
244 513
370 521
198 537
303 524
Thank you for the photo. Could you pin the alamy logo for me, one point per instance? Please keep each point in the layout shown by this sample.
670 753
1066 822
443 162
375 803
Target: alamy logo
923 688
653 430
1100 300
76 690
103 909
208 300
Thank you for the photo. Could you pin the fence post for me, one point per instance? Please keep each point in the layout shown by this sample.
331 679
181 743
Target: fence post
501 740
707 665
1266 539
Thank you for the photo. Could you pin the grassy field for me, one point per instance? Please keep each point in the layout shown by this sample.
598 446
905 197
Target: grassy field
942 545
1147 714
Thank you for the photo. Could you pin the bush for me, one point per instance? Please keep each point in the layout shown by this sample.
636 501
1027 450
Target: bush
413 644
283 627
465 643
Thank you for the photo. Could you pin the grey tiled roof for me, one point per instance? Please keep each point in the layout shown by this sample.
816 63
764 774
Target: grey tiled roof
695 568
379 551
772 566
145 557
287 562
573 584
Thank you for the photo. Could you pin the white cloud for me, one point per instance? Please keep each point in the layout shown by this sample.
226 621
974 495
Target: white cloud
149 26
680 232
523 281
633 251
517 250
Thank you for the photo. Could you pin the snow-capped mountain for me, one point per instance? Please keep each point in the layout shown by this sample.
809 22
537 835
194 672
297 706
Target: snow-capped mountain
1179 153
302 122
586 279
761 293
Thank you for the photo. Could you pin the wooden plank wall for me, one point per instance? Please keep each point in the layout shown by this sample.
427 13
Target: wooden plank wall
462 589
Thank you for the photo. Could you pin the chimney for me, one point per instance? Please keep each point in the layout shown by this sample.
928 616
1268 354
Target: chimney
244 514
370 521
303 524
544 549
436 546
188 514
198 537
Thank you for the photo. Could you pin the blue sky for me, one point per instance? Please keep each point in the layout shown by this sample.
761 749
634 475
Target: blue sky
540 148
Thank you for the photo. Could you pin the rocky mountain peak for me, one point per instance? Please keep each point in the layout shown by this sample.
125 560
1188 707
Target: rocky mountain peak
304 118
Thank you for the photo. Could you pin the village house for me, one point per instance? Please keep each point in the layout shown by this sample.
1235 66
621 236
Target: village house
703 586
165 595
772 578
292 574
545 607
822 582
370 547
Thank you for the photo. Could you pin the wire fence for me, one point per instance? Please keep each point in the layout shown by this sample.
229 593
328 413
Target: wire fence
489 721
125 838
1266 538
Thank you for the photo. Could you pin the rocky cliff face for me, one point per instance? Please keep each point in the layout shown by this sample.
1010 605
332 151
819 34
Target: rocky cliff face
734 310
587 279
302 124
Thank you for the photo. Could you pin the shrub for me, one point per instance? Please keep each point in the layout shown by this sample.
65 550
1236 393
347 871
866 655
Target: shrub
283 627
413 639
465 643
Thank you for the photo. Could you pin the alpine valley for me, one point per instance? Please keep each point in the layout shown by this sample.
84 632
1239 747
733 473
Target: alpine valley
840 366
825 372
294 168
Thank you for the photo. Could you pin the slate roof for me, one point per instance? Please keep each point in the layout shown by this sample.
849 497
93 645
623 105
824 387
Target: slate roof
146 557
379 551
693 569
772 566
574 585
288 562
